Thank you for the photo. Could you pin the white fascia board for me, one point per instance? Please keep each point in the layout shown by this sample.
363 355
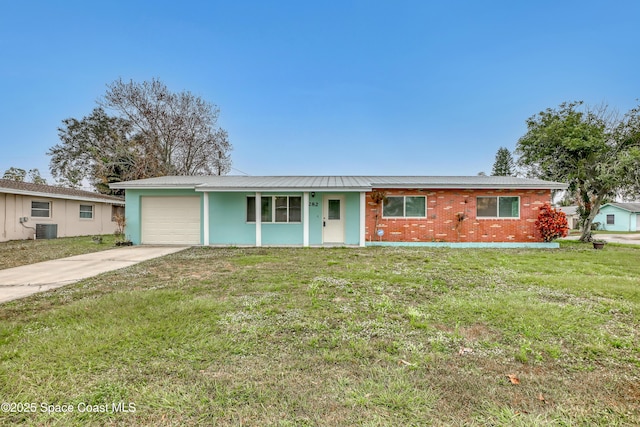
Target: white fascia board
59 196
151 187
283 189
472 187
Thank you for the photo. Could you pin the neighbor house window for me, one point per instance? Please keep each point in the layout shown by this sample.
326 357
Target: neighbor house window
611 219
405 207
275 209
41 209
116 211
498 207
86 211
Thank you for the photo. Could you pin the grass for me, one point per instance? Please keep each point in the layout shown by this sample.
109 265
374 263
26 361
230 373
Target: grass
305 337
23 252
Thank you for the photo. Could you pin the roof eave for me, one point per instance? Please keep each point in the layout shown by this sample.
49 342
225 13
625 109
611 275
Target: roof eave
474 186
59 196
319 189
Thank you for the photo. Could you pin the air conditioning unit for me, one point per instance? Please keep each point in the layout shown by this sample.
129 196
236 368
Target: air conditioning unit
46 231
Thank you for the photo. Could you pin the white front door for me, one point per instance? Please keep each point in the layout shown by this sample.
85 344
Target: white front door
333 219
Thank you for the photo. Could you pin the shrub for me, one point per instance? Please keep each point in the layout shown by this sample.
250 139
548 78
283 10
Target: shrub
551 223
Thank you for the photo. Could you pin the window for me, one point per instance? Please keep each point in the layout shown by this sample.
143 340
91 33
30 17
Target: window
280 208
116 211
86 211
405 207
498 207
611 219
41 209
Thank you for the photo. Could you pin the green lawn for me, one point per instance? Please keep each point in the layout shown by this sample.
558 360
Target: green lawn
22 252
335 337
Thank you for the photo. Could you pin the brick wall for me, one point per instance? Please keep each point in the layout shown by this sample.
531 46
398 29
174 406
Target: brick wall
444 207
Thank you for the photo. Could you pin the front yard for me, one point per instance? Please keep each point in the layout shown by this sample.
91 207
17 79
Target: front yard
336 337
23 252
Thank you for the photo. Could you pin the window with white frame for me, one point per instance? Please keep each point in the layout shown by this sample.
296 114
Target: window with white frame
405 207
281 209
41 209
86 211
498 207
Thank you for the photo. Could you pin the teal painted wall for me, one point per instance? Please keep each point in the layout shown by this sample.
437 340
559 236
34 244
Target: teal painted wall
133 209
315 219
352 218
624 220
352 214
228 220
228 224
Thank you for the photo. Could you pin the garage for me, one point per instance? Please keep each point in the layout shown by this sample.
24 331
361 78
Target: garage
170 220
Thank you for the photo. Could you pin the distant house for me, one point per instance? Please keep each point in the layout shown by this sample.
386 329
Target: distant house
573 219
619 217
29 211
336 210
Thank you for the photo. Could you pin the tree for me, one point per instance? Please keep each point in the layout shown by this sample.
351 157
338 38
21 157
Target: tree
504 164
35 177
17 174
100 148
593 150
154 132
180 129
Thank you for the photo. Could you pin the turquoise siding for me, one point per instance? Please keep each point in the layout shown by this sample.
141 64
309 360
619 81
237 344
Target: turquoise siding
315 219
133 209
623 220
352 218
228 223
352 215
228 220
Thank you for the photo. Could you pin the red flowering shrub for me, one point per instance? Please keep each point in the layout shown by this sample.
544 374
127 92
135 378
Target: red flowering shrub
551 223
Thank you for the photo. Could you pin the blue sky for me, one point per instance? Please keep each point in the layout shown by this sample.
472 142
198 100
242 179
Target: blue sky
315 88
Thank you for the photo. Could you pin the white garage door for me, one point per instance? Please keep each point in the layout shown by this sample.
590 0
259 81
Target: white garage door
170 220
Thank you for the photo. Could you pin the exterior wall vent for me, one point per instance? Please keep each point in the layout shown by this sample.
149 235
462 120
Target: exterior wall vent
46 231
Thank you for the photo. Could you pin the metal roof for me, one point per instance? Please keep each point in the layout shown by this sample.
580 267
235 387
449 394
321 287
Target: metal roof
328 183
631 207
40 190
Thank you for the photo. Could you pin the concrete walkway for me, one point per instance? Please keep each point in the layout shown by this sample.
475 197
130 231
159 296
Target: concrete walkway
629 239
19 282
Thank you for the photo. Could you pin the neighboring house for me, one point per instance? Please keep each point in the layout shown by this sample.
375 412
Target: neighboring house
619 217
335 210
30 211
573 219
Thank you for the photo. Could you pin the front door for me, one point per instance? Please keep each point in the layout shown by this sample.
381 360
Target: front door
333 219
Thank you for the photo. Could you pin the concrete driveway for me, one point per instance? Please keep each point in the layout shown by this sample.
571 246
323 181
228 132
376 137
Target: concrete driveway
629 239
19 282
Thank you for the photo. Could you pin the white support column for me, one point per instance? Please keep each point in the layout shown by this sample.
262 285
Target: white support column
363 215
258 219
305 218
205 220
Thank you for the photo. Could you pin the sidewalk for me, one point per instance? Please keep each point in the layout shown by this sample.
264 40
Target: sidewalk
629 239
19 282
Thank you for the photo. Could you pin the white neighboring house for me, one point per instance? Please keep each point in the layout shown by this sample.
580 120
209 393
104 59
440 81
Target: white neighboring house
573 219
29 211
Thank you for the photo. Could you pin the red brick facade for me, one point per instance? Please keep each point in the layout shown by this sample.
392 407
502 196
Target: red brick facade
451 217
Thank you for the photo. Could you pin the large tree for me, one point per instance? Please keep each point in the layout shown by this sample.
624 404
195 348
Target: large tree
151 132
179 128
594 150
101 149
504 164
